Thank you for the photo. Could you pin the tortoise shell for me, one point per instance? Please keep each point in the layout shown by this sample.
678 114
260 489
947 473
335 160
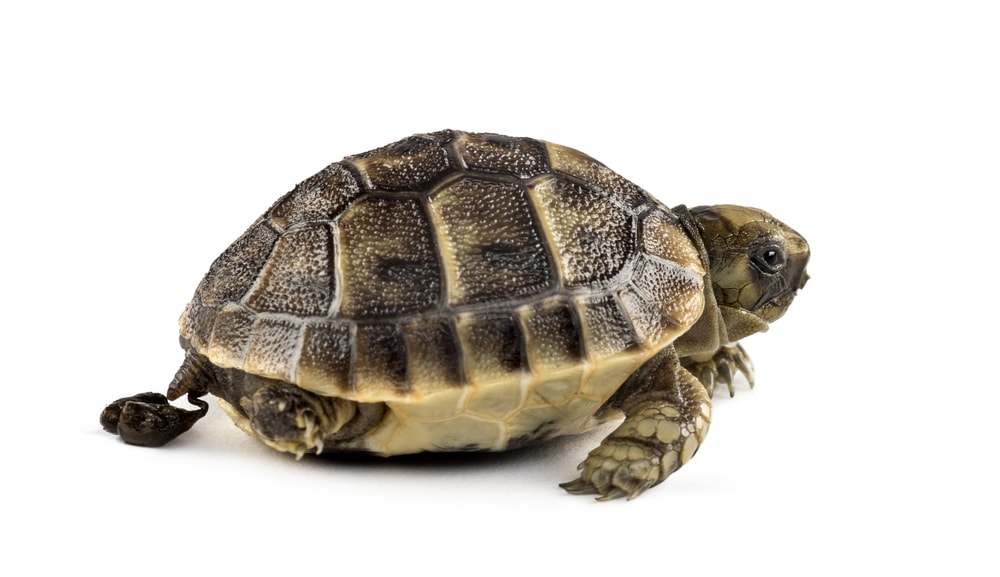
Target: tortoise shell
505 285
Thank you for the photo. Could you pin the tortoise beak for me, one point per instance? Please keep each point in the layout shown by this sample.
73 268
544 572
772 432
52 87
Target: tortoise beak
773 305
775 308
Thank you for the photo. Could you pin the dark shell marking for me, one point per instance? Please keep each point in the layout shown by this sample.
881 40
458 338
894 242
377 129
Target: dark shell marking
447 259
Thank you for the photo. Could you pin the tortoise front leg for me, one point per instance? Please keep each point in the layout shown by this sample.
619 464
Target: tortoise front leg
667 413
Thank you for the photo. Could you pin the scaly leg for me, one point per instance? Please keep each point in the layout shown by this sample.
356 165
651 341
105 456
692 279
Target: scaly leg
667 413
291 419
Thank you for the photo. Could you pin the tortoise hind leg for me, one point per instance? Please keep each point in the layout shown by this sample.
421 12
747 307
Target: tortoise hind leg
667 413
148 420
288 418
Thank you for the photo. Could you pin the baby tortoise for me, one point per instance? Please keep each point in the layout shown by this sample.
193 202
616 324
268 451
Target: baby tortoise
476 292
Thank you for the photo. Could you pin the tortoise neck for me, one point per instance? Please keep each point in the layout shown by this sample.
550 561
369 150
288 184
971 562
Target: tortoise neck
709 332
694 233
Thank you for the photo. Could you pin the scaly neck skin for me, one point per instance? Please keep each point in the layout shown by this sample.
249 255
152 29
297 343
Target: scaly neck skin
711 331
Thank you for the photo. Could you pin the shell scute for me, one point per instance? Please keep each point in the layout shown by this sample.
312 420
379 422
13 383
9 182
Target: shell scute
411 164
388 259
380 359
494 401
298 278
676 291
493 344
434 353
491 245
650 324
552 334
230 337
325 359
272 348
229 278
593 237
592 173
661 236
495 153
557 389
607 327
319 198
236 269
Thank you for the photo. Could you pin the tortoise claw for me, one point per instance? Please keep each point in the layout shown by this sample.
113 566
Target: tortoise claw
616 493
148 420
723 367
579 487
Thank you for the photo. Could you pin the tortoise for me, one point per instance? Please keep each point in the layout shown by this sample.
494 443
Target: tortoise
459 291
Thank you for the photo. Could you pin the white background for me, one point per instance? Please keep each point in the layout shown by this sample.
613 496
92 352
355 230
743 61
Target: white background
138 142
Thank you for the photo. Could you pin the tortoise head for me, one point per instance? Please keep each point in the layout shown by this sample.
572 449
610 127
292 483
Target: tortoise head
757 265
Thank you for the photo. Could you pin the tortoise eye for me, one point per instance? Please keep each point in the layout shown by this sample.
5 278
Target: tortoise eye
769 258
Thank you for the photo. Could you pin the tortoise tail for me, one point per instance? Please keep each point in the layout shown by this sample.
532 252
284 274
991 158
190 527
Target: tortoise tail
149 420
196 375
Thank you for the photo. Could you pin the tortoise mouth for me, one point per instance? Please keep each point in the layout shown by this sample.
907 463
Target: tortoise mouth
775 308
776 300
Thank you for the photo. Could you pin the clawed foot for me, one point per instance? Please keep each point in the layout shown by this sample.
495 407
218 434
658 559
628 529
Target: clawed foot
642 452
721 367
148 420
661 432
291 419
619 469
